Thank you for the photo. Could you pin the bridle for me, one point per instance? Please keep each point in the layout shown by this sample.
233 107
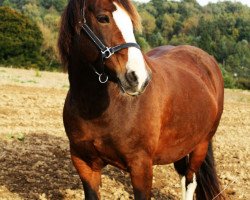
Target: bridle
106 52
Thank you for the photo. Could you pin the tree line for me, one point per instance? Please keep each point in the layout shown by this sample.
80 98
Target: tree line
43 17
222 29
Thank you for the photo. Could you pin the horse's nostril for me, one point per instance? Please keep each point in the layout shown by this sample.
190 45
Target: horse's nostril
132 78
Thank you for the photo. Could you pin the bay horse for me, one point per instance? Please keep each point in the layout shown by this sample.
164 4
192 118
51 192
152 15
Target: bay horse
134 110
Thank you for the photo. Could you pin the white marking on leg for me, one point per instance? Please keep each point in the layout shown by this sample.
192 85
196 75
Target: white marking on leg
136 61
191 189
183 187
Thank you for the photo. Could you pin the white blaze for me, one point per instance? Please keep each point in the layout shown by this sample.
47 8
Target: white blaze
135 58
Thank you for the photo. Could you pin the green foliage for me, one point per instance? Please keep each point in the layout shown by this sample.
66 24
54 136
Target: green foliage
229 81
57 4
221 29
148 22
46 14
143 43
38 73
20 40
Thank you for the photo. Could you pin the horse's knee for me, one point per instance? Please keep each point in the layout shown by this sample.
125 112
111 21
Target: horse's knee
141 173
90 178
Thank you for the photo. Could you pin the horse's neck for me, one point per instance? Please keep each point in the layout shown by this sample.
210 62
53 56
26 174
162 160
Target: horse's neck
86 92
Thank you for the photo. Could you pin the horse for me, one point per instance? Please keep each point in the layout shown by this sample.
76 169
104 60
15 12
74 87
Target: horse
132 109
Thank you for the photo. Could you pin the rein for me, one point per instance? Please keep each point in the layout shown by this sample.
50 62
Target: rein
106 52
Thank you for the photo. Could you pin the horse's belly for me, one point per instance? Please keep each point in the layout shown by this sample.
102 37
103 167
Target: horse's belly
182 134
190 125
170 150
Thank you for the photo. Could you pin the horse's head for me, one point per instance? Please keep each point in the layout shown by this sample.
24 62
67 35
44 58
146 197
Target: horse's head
113 22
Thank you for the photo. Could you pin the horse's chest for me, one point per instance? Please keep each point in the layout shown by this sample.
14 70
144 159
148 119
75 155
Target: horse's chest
108 151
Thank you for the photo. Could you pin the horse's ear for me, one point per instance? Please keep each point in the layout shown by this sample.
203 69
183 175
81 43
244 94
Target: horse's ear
75 13
69 26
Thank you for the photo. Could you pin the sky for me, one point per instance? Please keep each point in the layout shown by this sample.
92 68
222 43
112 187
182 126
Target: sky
205 2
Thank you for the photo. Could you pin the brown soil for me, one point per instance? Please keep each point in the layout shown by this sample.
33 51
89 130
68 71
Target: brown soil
34 155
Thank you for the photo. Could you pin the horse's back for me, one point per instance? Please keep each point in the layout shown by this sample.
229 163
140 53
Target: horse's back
160 51
194 61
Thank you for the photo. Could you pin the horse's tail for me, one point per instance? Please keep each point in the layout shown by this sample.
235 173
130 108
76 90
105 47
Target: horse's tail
208 187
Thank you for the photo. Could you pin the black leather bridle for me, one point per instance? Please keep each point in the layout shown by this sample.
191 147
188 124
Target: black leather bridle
106 52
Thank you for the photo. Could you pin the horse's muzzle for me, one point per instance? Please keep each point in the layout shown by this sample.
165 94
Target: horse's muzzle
129 84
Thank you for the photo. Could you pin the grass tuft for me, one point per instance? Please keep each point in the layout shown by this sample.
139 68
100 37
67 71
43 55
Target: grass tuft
38 73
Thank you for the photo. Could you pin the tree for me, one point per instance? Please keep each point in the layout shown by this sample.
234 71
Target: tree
156 39
222 29
59 5
46 3
32 11
20 40
148 22
17 4
167 26
143 43
238 63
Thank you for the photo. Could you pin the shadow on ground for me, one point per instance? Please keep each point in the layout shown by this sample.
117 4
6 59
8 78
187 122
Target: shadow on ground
41 165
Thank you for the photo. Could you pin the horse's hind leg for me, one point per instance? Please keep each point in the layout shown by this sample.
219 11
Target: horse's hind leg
196 159
181 167
187 167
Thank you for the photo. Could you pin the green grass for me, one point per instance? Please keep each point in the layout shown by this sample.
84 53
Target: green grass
22 81
31 81
65 86
16 80
18 136
38 73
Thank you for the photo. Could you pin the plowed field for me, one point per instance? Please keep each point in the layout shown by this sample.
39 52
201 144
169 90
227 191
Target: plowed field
34 155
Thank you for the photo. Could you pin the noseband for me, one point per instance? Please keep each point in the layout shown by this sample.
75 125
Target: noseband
106 52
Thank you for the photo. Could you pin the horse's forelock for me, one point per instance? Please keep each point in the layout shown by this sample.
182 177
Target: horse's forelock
134 15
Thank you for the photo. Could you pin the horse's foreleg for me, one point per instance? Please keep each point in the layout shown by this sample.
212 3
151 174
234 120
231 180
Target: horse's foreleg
141 173
91 179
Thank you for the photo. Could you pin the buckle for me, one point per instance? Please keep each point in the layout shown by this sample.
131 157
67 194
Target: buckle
107 52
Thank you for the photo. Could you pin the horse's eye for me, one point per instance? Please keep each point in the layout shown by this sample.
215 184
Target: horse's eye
103 19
